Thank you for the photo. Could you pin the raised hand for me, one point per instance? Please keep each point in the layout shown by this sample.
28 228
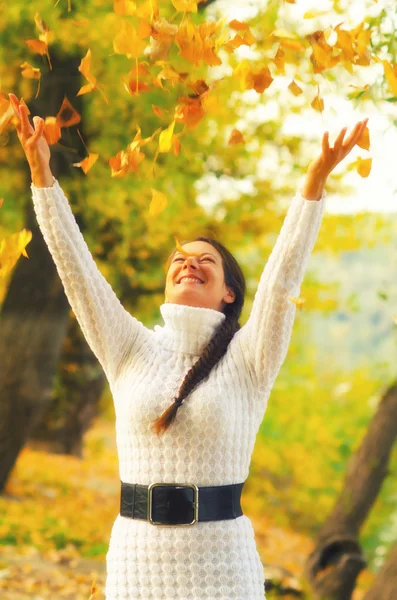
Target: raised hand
34 144
329 158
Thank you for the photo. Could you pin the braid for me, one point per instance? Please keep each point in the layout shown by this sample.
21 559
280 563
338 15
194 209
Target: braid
210 356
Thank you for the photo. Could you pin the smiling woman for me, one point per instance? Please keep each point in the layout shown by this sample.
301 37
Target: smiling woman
222 289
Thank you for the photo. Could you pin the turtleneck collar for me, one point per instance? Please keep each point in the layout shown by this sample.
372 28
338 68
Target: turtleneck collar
187 328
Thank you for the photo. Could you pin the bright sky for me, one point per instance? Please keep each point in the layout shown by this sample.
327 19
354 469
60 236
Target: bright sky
376 193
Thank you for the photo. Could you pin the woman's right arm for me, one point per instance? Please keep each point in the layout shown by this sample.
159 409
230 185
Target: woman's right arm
109 329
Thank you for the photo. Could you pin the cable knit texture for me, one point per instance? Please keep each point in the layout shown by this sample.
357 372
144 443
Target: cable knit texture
213 436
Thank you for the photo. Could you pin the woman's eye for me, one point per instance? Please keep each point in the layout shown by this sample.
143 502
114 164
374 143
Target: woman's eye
205 258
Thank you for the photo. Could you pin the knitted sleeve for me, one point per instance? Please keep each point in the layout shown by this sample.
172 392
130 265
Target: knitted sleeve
265 337
108 328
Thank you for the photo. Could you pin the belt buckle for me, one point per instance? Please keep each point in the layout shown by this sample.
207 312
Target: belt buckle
195 504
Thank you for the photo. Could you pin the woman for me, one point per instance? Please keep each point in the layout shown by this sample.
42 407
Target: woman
188 539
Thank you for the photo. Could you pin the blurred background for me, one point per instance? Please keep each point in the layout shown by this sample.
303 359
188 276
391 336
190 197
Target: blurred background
244 119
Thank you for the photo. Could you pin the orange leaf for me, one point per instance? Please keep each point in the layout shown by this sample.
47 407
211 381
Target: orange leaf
126 161
295 89
85 66
190 111
364 166
52 130
29 71
67 115
176 145
85 89
236 137
87 163
157 111
318 103
238 25
37 46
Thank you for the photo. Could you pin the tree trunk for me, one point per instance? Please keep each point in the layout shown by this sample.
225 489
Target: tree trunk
333 567
35 311
385 585
75 400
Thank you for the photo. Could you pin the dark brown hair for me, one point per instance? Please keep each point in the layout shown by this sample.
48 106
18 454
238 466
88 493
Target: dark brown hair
219 342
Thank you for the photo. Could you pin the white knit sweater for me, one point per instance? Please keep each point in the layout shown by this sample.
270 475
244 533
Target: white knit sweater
213 436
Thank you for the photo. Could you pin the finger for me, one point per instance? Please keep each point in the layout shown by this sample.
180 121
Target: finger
325 142
38 126
339 139
356 134
25 123
15 106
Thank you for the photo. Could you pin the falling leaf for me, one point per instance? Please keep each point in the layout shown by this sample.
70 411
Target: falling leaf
124 7
181 250
165 138
11 249
158 111
295 89
176 145
31 73
364 141
364 166
158 203
84 68
185 5
391 75
87 163
67 115
128 42
259 80
189 111
318 102
238 25
37 46
236 137
52 130
299 302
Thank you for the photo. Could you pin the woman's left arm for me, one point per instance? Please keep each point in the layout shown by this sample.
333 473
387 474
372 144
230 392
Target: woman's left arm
265 337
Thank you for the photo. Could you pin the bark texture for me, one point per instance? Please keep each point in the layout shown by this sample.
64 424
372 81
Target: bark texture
337 560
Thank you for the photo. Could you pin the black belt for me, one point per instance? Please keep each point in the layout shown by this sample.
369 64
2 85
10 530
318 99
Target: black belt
170 504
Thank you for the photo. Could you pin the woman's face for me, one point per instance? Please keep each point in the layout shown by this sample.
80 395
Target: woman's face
211 292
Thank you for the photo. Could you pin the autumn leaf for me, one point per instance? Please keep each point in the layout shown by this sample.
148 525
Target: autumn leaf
128 42
158 203
259 80
189 111
298 301
87 163
124 7
236 137
52 130
165 138
85 68
364 141
158 111
176 145
185 5
11 249
7 115
318 102
390 72
67 115
295 89
364 166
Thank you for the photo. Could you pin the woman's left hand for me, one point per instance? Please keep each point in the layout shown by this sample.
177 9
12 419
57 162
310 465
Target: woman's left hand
329 158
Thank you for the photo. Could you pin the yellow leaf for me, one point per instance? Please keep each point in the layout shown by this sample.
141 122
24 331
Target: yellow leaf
364 141
165 138
128 42
311 14
158 203
318 103
391 76
295 89
364 166
185 5
299 302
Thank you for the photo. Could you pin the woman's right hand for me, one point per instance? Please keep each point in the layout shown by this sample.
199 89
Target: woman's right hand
33 142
